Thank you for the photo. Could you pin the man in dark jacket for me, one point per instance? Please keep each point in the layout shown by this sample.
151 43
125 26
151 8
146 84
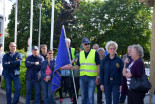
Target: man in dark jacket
11 71
33 64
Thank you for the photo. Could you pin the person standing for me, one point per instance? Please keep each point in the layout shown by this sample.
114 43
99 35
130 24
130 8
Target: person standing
124 89
11 72
89 64
1 57
33 65
101 52
111 74
135 69
47 68
44 51
66 75
96 47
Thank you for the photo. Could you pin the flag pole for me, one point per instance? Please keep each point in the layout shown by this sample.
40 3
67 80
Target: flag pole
31 25
52 26
71 64
3 35
15 34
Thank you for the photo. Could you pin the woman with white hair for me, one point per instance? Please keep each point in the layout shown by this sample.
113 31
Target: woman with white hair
135 69
111 74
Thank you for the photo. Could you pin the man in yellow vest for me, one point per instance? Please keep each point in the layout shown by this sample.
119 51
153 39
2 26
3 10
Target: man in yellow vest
89 64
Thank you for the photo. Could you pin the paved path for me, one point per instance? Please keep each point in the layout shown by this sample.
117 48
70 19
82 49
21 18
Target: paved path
65 101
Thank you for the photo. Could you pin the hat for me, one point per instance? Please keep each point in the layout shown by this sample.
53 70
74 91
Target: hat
1 45
34 48
85 40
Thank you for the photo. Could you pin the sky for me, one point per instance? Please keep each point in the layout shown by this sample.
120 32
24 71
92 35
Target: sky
8 7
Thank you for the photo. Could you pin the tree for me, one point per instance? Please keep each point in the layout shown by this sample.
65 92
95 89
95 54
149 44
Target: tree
125 21
63 15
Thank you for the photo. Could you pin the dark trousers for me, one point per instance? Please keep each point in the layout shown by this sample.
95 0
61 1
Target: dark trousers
122 98
65 81
112 93
99 95
135 97
77 85
8 86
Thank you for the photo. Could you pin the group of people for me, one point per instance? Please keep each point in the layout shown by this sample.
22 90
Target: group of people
91 68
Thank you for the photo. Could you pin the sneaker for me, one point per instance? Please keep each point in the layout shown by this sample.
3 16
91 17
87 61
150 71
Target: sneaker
71 100
61 100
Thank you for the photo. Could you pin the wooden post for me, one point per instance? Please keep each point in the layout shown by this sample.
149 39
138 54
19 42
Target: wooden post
152 56
151 3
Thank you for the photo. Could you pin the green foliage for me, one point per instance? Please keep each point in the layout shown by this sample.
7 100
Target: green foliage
22 80
125 21
63 12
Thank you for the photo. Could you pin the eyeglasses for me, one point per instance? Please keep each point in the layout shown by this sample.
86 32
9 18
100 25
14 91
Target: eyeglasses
50 53
87 44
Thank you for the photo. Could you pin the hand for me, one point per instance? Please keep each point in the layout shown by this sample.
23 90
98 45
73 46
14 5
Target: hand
36 63
102 88
48 78
72 68
120 88
126 60
72 61
97 81
8 62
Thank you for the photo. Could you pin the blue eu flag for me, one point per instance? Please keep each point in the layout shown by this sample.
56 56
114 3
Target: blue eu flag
61 60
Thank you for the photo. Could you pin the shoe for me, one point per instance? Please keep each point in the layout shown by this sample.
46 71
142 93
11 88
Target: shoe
61 100
71 100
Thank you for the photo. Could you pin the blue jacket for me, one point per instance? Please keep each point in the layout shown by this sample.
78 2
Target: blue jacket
111 68
15 62
32 69
44 66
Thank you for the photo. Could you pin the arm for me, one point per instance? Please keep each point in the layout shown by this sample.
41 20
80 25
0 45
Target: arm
121 69
38 65
18 60
42 70
137 68
28 62
5 62
125 73
102 76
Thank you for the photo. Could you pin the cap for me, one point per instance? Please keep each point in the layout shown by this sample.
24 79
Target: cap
85 40
34 48
1 45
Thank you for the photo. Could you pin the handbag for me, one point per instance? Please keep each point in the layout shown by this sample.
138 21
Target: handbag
141 83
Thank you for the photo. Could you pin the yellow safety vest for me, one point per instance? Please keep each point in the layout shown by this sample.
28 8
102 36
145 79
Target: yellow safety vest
88 65
73 54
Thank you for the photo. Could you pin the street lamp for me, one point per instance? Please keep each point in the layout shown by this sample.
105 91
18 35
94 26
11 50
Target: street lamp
39 6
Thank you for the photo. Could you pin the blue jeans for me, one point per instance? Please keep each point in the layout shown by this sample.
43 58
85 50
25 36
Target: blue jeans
48 96
8 86
112 90
29 86
87 86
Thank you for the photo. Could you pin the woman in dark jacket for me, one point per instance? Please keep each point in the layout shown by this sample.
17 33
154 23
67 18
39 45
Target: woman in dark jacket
111 74
135 69
47 68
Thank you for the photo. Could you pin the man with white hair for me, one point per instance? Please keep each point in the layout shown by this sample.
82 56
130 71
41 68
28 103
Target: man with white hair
96 47
66 76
